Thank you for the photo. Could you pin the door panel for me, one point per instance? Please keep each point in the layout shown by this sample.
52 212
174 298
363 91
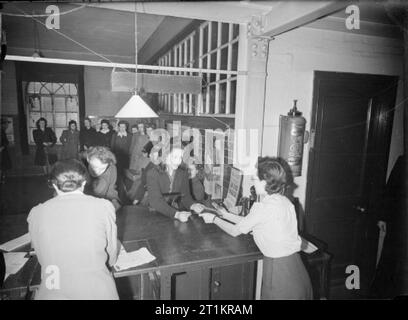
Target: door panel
352 120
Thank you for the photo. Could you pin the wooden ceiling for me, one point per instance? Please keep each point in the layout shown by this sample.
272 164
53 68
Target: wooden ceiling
82 33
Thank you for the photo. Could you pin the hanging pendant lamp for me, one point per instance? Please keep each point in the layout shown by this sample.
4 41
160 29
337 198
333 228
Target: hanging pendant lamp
136 107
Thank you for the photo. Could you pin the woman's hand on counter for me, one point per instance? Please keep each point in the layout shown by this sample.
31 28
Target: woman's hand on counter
197 207
182 216
208 217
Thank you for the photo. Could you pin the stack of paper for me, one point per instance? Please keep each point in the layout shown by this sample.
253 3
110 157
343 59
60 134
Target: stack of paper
16 243
133 259
14 262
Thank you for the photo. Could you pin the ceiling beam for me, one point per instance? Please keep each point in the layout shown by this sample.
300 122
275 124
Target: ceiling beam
286 16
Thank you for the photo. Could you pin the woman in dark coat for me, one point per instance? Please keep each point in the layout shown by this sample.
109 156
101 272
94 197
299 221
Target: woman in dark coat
103 172
87 135
120 146
170 178
44 139
104 135
70 142
5 157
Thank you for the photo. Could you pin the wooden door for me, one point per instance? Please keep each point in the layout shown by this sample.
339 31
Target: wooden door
351 126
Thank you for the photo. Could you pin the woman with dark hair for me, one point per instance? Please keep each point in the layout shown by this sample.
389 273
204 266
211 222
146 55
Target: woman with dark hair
102 168
104 135
44 139
168 188
120 145
5 161
139 140
75 237
87 135
274 226
70 141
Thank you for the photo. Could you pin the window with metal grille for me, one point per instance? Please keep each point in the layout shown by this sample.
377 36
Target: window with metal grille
213 47
56 102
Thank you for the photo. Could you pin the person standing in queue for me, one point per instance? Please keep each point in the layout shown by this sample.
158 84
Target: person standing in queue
104 136
120 146
103 172
87 135
70 142
44 139
274 226
5 163
75 238
169 179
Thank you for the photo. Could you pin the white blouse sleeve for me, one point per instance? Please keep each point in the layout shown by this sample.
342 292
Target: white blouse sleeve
111 234
254 218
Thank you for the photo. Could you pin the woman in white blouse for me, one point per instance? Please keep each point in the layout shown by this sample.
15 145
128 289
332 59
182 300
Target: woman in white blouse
75 238
274 227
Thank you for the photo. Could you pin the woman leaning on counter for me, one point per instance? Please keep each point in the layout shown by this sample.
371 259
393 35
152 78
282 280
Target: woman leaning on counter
274 226
169 177
74 236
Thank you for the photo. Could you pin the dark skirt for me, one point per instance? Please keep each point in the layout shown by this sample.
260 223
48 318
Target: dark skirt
285 278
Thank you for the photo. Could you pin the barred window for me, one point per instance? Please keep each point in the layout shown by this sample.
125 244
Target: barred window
212 46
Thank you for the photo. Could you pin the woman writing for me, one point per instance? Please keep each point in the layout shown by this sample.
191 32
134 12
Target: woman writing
168 181
102 168
70 141
74 236
44 139
274 226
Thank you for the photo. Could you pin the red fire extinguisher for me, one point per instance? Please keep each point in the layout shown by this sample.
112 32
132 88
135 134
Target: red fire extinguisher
291 139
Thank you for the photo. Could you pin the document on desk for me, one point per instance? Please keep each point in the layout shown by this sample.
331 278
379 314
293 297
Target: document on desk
133 259
16 243
14 262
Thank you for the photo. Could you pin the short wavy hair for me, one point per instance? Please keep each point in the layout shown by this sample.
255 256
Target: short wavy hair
273 172
37 124
102 153
125 123
68 175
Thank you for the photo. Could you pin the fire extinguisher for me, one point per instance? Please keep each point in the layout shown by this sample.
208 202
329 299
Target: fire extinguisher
291 139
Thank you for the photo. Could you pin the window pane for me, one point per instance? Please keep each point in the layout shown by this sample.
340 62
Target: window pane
214 35
224 58
224 33
72 104
50 119
234 56
72 89
46 104
214 61
233 94
235 31
59 104
58 132
34 116
61 120
205 40
212 99
204 95
222 95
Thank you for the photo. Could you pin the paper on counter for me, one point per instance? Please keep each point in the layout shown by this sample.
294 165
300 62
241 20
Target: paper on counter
14 262
16 243
307 246
133 259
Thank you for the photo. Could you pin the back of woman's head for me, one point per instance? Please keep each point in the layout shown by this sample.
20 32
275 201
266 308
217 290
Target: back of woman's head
273 172
102 153
68 175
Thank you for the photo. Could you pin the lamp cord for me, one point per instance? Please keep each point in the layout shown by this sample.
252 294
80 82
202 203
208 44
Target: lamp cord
135 47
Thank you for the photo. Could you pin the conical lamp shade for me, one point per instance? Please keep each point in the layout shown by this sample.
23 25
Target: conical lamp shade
136 107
